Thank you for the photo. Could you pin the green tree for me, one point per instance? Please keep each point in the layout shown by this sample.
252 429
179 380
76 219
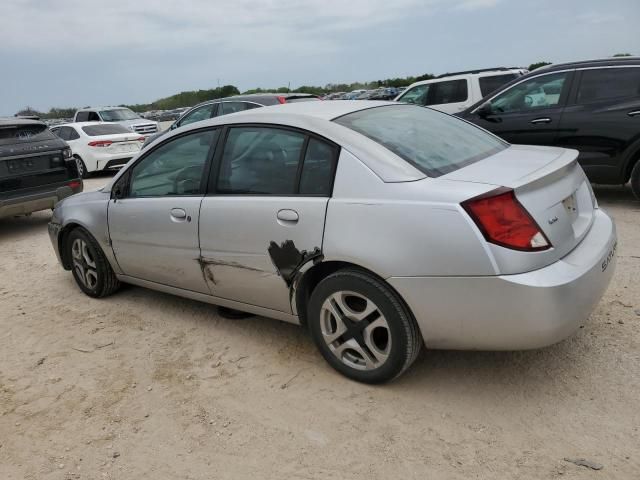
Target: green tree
533 66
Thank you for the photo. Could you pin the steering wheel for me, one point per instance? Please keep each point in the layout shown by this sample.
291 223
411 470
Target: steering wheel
187 180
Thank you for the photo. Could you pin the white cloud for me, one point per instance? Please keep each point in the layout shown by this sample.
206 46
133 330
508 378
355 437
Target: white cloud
236 25
470 5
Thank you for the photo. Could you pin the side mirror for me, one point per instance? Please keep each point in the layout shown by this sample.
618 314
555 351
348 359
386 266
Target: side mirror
173 126
485 110
119 189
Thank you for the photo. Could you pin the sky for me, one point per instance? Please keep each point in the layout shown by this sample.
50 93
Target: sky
64 53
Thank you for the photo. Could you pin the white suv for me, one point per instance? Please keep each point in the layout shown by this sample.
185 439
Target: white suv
122 115
454 92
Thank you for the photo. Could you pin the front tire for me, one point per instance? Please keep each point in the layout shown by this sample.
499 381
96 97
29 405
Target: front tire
362 328
91 269
635 180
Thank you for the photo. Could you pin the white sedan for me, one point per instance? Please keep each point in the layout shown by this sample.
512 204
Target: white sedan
98 145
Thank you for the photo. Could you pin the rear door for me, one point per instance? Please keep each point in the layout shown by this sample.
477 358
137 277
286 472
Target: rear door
154 224
267 204
528 112
602 120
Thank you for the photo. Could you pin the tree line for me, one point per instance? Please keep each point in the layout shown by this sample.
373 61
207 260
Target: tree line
191 98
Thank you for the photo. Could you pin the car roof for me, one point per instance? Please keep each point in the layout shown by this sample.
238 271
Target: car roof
100 108
602 62
479 73
316 117
12 121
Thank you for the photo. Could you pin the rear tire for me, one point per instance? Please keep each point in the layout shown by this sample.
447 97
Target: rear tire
635 180
82 168
362 328
91 269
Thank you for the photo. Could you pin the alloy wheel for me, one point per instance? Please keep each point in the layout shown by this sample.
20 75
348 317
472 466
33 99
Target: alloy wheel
84 263
355 330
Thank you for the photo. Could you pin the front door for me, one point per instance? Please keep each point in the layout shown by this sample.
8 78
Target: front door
266 208
154 224
527 113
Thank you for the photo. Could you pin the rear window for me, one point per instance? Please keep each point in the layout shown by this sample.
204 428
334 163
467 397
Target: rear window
434 142
14 134
100 130
608 84
493 82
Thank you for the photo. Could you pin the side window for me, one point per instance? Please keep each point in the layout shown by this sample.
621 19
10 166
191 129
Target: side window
175 168
232 107
82 117
494 82
417 95
608 84
452 91
318 168
540 92
72 134
60 132
93 117
197 115
260 160
251 106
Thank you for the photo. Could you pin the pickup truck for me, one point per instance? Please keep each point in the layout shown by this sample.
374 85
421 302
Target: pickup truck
37 169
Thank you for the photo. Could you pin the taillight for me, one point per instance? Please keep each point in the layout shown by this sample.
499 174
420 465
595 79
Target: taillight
75 184
141 139
504 221
66 153
281 99
100 143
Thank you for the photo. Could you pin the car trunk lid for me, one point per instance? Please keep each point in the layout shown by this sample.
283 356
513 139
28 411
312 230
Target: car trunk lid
554 190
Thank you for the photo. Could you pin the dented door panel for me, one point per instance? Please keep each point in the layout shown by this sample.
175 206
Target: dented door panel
250 255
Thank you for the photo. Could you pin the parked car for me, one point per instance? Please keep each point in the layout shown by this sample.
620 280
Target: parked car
121 115
454 92
225 106
377 225
592 106
98 145
36 168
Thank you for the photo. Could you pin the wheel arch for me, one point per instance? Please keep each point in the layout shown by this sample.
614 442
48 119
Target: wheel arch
62 241
313 276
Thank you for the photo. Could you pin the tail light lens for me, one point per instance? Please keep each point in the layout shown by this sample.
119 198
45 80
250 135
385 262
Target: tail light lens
66 153
282 99
75 184
504 221
100 143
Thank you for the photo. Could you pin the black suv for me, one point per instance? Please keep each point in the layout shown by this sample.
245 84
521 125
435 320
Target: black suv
227 105
36 168
591 106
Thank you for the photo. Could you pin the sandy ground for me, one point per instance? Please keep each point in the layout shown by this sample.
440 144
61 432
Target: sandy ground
146 385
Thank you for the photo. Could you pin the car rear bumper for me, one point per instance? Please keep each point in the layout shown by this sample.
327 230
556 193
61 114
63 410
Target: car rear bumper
35 201
515 312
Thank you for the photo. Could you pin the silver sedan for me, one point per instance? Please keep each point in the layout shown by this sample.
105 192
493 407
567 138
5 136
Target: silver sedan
377 226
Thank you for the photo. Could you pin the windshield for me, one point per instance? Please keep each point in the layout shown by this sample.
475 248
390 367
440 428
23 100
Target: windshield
434 142
118 114
99 130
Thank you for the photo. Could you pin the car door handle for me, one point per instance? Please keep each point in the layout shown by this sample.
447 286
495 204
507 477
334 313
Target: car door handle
541 120
178 214
288 216
634 113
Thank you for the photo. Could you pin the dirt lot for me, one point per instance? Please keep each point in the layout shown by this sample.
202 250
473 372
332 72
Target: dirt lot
145 385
